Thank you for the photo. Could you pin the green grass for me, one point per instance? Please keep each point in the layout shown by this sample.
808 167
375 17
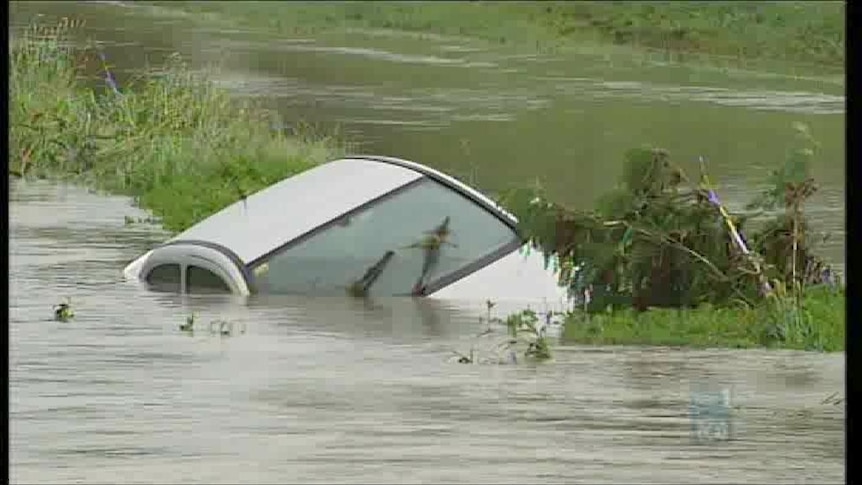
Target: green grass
811 32
819 326
179 145
802 32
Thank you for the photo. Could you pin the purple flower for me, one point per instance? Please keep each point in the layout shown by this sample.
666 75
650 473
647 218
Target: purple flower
713 197
827 277
112 83
110 80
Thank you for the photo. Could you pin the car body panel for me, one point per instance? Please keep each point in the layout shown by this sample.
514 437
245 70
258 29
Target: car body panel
234 240
519 276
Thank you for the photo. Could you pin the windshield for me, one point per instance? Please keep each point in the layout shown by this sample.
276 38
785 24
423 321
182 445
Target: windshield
412 241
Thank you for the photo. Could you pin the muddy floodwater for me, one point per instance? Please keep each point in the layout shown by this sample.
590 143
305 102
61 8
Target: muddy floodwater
331 390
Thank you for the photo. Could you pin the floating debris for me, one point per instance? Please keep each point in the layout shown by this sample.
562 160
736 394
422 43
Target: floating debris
465 359
63 311
129 220
189 325
833 399
226 328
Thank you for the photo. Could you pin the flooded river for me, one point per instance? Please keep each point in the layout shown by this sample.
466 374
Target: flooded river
328 390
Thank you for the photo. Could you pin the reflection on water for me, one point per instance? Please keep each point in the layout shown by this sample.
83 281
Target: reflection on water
337 390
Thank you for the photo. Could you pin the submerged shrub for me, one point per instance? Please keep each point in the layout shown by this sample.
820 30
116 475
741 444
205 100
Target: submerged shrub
660 240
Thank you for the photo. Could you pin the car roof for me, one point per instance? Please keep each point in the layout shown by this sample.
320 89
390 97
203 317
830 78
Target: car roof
452 182
296 205
288 209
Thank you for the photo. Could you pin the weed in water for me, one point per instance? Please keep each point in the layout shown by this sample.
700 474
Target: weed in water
833 399
525 328
488 319
216 327
525 335
226 328
189 324
466 359
129 220
63 311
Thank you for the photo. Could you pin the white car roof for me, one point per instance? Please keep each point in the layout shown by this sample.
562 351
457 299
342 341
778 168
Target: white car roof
290 208
446 179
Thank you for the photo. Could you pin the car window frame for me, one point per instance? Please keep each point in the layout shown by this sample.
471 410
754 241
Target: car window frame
211 267
243 268
158 257
436 284
180 280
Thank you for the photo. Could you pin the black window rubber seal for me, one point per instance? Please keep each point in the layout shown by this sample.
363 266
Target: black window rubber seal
495 211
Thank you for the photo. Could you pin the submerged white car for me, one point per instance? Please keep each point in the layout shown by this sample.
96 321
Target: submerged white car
360 226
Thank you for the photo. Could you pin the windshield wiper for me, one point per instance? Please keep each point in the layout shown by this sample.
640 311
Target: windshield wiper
431 244
360 287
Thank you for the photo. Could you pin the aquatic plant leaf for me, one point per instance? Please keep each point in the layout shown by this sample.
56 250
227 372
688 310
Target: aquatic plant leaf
639 169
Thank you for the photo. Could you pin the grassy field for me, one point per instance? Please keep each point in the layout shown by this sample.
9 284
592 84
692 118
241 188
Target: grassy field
820 326
807 33
180 146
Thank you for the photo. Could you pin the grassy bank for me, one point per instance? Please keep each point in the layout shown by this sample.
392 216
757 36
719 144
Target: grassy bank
180 146
819 326
797 32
